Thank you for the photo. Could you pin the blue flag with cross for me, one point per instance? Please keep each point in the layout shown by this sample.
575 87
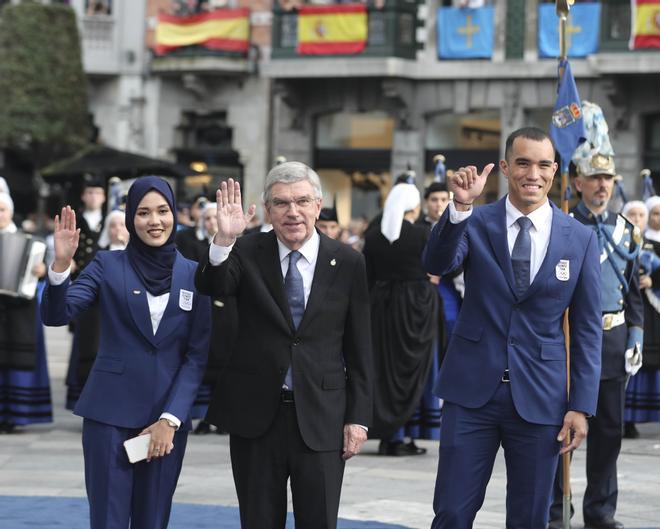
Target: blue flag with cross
465 33
582 30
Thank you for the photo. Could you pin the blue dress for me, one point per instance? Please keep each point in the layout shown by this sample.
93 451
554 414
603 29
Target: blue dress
25 393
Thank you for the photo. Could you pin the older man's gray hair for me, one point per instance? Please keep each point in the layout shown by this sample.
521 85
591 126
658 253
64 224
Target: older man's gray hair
290 173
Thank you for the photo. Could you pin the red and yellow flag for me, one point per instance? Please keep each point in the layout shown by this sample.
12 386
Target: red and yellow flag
645 31
332 29
222 30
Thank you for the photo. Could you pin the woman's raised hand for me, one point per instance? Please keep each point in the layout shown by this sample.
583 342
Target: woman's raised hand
232 221
66 238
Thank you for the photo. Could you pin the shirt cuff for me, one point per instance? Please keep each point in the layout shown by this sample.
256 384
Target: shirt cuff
218 254
456 217
361 426
170 417
57 278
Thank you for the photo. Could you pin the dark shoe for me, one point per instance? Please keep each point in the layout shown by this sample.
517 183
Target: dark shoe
607 523
630 431
413 450
556 524
202 428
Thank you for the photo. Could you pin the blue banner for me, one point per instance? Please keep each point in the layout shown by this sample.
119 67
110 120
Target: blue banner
567 126
465 33
582 30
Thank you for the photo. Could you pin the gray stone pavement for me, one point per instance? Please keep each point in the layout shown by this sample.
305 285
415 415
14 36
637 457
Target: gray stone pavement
47 460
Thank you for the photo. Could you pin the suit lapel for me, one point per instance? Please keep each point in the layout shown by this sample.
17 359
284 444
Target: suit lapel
271 271
169 321
559 241
497 234
324 274
138 306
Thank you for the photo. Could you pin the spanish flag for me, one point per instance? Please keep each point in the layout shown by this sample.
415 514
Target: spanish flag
645 30
221 30
332 29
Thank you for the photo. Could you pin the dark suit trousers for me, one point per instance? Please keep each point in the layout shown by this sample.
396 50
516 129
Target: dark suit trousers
262 466
603 447
119 491
469 441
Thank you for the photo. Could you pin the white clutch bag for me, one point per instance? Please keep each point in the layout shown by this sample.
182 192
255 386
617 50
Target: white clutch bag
137 448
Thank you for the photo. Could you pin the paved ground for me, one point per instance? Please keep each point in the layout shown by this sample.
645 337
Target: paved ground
47 460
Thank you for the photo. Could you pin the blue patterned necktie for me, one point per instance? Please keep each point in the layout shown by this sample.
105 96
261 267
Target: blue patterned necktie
295 295
521 255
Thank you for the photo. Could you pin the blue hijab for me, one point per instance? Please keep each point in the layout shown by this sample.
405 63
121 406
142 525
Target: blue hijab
153 265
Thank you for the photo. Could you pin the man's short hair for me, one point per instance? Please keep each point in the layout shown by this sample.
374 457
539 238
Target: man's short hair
530 133
290 173
435 187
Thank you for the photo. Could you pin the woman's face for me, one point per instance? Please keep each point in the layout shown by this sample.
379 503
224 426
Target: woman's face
117 230
5 215
211 221
654 218
153 219
638 217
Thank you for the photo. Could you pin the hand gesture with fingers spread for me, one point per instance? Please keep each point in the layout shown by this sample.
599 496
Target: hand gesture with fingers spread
467 184
232 221
65 239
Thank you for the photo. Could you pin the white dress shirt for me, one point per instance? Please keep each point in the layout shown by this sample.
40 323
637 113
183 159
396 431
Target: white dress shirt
93 219
539 233
157 306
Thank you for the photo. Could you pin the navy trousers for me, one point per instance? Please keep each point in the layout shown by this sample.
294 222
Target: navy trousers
121 493
469 441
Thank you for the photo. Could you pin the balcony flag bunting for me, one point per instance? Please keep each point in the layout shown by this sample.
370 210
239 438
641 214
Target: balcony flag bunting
332 29
465 33
645 27
582 30
220 30
567 125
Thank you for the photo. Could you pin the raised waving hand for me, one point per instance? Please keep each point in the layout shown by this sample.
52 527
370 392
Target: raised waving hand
232 220
66 238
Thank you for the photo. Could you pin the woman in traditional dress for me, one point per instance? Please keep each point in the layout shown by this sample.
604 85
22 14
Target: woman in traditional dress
643 391
24 384
404 307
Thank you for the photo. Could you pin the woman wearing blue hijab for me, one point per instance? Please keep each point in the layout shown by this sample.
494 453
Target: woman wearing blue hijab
154 340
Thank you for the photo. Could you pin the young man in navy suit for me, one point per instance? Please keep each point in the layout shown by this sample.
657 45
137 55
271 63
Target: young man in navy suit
504 378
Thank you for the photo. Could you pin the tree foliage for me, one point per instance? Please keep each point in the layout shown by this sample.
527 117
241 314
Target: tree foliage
43 102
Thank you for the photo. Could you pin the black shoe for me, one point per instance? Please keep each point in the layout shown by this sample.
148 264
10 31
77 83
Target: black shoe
556 524
202 428
414 450
607 523
630 431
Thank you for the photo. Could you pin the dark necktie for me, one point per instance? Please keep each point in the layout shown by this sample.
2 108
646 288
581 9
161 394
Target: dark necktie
295 295
520 256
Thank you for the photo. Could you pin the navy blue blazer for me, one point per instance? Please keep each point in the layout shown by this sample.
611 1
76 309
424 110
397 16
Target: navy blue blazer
496 330
136 376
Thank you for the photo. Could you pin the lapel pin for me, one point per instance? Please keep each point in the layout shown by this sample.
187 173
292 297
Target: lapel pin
333 262
136 292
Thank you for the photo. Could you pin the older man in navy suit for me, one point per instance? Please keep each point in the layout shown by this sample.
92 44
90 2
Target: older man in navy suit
504 376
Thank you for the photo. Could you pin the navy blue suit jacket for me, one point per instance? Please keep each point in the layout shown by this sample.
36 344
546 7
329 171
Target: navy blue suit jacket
136 376
496 330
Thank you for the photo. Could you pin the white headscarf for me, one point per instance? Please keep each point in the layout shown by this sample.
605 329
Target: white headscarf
650 233
4 187
402 198
104 238
634 204
6 199
201 232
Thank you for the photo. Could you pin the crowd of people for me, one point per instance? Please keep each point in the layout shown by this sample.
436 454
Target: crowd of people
300 339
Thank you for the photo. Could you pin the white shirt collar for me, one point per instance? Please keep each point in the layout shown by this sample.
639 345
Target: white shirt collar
309 250
540 217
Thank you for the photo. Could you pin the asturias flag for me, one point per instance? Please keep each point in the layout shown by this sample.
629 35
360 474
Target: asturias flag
567 127
582 30
465 33
222 30
645 30
332 29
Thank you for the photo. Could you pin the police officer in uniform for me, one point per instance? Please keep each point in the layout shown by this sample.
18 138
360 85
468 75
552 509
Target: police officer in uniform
623 312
